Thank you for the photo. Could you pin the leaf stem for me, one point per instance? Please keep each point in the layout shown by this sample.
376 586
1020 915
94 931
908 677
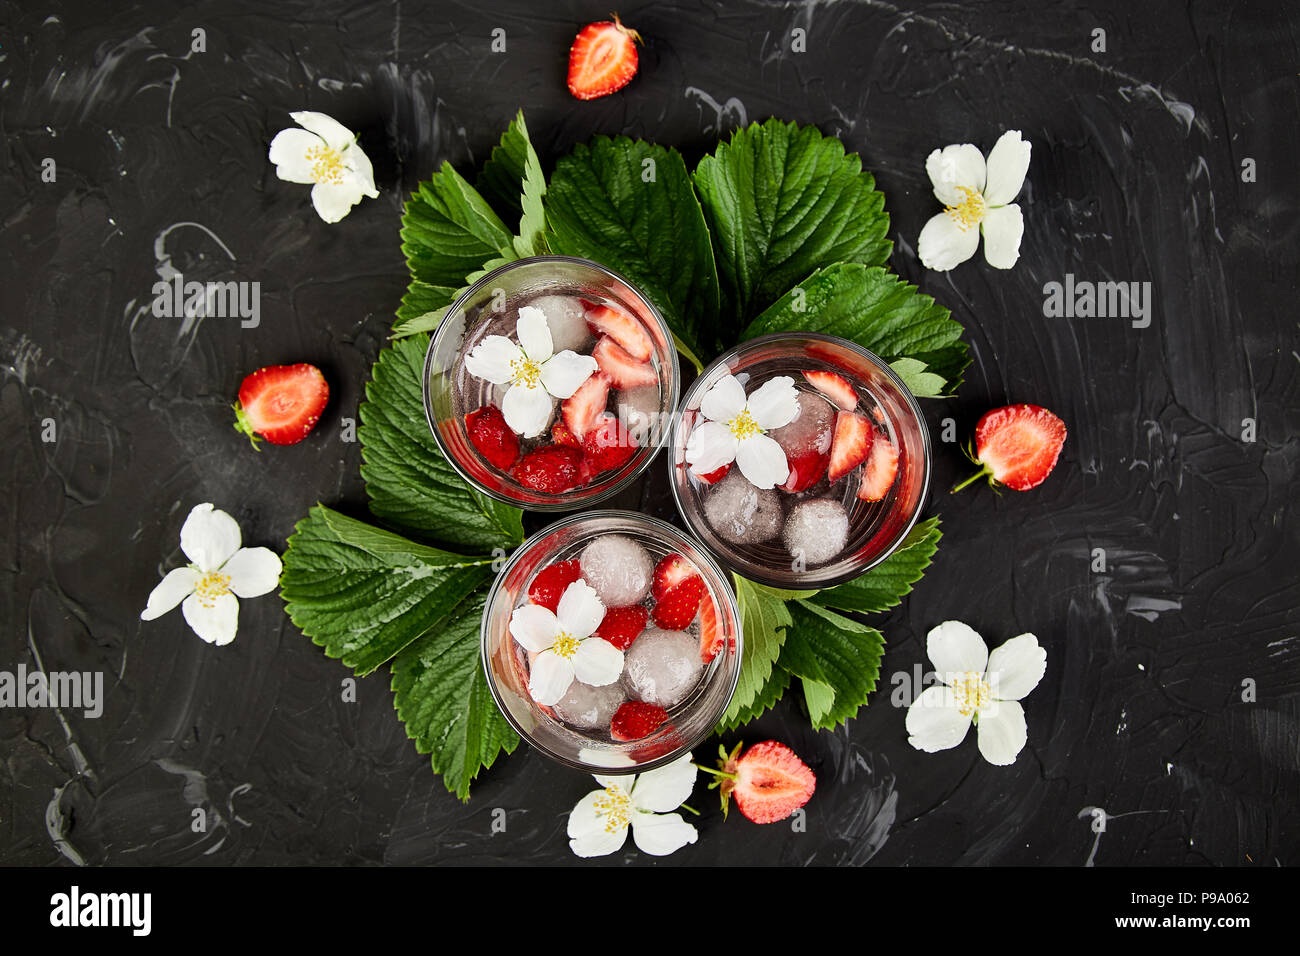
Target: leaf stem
979 474
716 773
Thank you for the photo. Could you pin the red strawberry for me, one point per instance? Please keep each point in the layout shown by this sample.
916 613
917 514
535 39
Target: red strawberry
551 583
671 571
1018 446
281 403
561 435
602 59
622 625
769 781
620 326
714 476
805 470
851 445
623 370
489 433
608 445
581 409
636 719
710 633
835 387
679 605
552 469
880 471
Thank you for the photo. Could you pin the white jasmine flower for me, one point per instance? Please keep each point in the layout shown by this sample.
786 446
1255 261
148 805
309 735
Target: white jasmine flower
599 823
220 571
735 426
534 374
324 152
977 198
976 687
564 644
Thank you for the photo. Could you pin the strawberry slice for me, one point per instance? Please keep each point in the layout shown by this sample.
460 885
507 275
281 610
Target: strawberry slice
549 585
635 719
835 387
581 409
805 470
553 469
851 445
710 633
623 370
671 571
679 605
715 476
281 403
880 471
602 59
623 625
620 326
1018 446
608 445
769 781
489 433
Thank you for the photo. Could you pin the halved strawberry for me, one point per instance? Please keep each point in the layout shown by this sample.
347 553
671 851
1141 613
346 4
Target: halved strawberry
635 719
561 435
623 370
710 633
489 433
622 625
805 470
671 571
608 445
769 781
602 59
620 326
553 469
281 403
1018 446
552 581
880 471
581 409
679 605
851 445
835 387
715 476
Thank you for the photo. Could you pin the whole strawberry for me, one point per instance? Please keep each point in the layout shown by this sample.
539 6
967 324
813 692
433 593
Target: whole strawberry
768 780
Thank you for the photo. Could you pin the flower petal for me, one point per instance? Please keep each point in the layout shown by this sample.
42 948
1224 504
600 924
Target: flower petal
549 678
253 571
1007 165
724 400
589 833
774 403
209 537
933 721
213 619
944 245
175 587
952 167
955 649
1003 228
661 834
580 610
710 446
1016 667
356 159
666 788
289 153
762 461
597 662
336 135
565 371
493 360
527 409
1002 732
333 201
534 334
534 627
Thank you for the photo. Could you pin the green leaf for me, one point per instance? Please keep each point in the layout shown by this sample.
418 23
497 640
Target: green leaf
422 299
501 180
449 230
630 205
782 201
889 582
410 484
763 701
763 620
919 382
840 656
441 694
364 594
874 308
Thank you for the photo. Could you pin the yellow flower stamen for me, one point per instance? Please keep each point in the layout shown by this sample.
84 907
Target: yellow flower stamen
211 586
614 806
972 692
970 211
743 426
566 645
526 372
326 165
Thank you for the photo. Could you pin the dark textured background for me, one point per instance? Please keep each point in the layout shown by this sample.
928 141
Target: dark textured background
1136 176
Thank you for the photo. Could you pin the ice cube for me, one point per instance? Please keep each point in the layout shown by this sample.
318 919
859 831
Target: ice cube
662 667
588 707
810 431
567 321
618 568
741 513
638 409
817 530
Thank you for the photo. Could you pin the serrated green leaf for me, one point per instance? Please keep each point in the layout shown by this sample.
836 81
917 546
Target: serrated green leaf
423 299
763 619
766 698
919 382
449 230
782 201
876 309
501 180
363 594
442 697
410 484
836 652
819 698
889 582
630 205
